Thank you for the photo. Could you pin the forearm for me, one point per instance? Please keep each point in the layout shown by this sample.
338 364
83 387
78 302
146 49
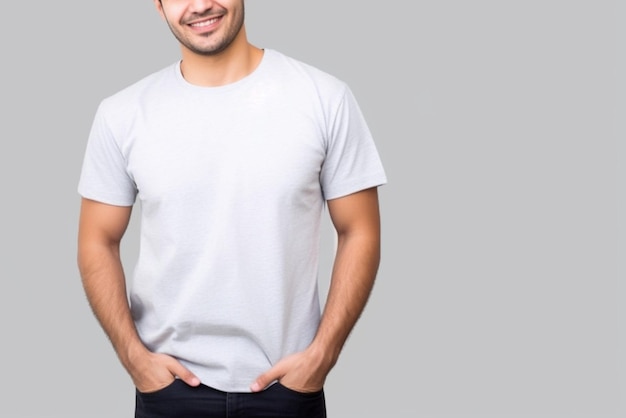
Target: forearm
105 286
354 271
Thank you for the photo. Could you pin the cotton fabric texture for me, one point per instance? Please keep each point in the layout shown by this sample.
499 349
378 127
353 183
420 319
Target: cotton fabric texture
232 182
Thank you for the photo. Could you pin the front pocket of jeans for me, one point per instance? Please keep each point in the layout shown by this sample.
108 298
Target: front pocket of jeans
159 391
297 393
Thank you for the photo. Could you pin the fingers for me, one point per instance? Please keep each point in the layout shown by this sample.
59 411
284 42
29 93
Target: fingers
300 372
177 369
156 371
261 382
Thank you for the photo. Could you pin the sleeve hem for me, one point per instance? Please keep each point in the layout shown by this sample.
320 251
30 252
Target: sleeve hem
108 199
354 186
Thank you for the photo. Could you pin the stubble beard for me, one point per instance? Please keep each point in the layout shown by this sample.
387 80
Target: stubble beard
218 45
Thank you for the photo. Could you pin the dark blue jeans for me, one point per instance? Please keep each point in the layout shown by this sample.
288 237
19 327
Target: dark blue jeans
180 400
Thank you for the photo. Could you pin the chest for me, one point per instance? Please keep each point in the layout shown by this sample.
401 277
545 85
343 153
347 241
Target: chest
242 148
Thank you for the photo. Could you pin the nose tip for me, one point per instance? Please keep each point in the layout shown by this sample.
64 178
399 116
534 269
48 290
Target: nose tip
200 6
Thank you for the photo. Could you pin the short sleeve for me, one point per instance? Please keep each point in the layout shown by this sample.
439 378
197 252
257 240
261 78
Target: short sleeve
104 176
352 162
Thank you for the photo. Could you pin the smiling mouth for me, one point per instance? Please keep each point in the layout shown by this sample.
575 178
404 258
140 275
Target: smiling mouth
205 23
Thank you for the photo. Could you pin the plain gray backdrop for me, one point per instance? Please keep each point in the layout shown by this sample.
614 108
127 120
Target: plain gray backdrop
501 125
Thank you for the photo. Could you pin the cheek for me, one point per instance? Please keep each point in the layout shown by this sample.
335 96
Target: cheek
172 13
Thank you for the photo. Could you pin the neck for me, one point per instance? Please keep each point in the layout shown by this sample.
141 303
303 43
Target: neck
234 63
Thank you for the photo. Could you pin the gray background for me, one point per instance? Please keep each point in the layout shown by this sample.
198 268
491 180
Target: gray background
501 125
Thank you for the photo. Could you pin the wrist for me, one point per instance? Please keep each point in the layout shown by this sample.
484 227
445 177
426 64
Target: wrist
133 354
324 355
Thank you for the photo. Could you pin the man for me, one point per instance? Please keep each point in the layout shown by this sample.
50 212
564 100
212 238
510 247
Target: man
233 152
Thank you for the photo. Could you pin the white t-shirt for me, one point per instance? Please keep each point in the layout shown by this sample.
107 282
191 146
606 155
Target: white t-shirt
232 182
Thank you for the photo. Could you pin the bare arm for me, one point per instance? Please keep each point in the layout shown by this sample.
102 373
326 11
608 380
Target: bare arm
101 229
356 219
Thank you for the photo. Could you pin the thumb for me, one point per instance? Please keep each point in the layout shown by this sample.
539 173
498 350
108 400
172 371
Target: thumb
177 369
263 381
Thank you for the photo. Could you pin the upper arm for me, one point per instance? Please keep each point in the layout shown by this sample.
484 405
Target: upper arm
101 223
356 213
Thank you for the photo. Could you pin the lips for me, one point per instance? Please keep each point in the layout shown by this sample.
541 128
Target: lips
205 23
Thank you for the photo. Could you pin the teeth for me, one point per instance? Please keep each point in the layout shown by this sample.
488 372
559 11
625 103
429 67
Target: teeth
205 23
